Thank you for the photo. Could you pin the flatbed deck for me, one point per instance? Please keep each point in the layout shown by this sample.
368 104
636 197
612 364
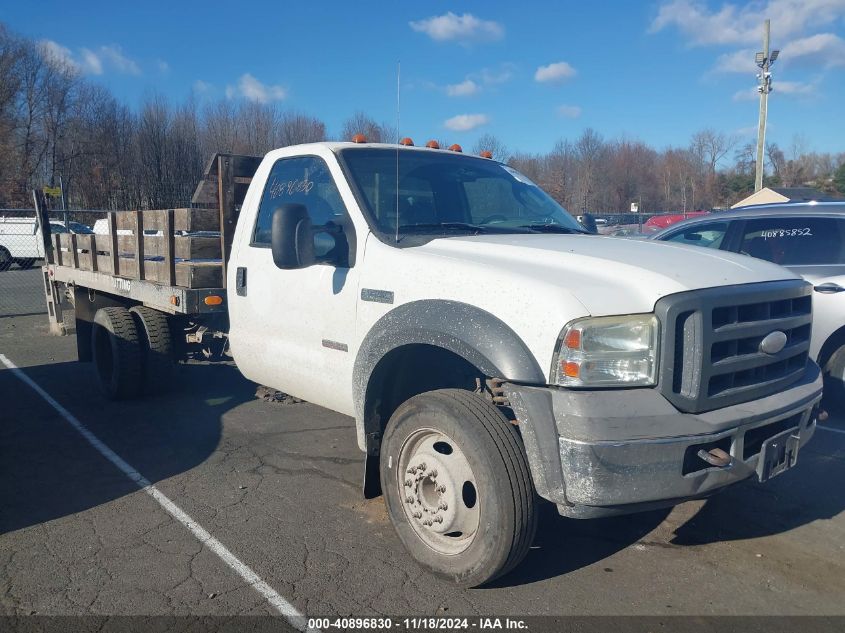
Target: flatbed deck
173 260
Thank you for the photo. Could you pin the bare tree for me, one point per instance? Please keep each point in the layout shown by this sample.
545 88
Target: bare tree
296 128
360 123
488 142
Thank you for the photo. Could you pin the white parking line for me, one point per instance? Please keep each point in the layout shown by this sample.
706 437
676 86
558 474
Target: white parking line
281 605
827 428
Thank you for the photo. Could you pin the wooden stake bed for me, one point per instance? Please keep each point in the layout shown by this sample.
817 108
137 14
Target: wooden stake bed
171 258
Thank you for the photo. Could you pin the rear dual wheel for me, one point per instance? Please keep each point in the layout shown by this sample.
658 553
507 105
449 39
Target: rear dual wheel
132 351
457 486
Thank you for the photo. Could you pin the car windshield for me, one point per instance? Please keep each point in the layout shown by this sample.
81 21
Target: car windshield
446 193
78 227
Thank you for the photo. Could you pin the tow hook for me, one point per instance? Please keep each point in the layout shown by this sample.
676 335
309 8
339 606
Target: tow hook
822 415
715 457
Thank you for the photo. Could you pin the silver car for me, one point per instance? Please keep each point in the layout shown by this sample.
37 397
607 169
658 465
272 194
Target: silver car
806 238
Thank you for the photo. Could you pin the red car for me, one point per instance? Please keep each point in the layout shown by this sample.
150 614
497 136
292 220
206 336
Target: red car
656 222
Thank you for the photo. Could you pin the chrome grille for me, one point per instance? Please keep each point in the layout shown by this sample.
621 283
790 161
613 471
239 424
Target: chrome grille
711 354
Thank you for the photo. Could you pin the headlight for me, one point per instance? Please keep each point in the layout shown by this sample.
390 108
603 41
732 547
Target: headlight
618 351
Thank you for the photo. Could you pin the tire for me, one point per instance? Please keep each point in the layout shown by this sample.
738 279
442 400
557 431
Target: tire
6 260
833 372
486 528
116 352
157 358
26 264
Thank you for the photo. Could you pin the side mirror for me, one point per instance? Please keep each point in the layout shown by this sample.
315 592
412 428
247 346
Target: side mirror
292 237
588 221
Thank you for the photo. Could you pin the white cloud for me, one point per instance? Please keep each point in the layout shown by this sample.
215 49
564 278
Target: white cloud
163 66
741 61
114 58
793 88
556 72
466 122
742 23
824 49
202 87
91 62
253 90
500 75
466 88
569 111
465 28
58 55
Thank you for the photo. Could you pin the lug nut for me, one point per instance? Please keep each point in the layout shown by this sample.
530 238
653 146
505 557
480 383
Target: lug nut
438 519
427 523
417 515
412 470
432 474
441 489
443 506
421 466
409 499
408 483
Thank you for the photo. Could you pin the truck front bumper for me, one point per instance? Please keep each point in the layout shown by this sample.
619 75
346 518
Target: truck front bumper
598 453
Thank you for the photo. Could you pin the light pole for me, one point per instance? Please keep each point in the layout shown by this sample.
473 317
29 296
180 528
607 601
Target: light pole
764 79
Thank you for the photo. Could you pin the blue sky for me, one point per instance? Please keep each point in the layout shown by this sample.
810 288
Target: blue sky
528 72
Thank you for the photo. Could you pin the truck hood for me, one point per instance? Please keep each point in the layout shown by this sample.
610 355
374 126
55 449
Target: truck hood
607 275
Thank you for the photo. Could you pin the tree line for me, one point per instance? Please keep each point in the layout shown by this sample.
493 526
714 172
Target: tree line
55 124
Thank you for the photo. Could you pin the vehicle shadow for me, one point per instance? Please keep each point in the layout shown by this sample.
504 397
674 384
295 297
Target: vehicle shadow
47 469
810 491
563 545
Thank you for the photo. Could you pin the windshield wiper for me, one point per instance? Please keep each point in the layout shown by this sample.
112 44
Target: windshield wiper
552 228
443 225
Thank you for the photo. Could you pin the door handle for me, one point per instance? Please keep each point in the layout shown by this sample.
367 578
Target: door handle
240 281
828 288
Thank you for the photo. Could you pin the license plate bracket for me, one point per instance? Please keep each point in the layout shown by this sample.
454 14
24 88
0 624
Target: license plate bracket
778 454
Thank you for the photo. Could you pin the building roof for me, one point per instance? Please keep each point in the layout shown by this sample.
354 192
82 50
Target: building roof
804 194
770 195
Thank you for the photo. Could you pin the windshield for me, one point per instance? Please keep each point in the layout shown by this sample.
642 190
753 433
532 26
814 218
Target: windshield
441 193
78 227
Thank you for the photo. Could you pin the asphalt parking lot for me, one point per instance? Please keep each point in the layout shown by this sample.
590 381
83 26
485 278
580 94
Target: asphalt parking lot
279 486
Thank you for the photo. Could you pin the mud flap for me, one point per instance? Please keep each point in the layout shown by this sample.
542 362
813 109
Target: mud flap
372 479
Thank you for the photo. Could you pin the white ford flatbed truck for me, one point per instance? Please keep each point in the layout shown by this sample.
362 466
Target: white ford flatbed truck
489 350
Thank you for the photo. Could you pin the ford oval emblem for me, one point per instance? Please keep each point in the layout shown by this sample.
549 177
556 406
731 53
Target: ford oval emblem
773 343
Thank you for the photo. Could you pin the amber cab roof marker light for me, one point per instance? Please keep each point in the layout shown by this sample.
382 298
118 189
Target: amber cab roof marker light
486 154
455 148
432 144
359 138
407 142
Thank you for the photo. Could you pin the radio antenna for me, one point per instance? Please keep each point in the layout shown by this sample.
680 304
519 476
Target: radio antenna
396 140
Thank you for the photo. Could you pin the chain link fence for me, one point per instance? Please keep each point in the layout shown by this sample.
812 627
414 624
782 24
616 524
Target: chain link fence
22 290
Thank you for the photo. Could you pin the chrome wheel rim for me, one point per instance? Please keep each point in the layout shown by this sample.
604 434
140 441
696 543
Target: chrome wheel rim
438 491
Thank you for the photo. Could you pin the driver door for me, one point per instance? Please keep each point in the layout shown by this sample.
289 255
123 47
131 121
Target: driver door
295 327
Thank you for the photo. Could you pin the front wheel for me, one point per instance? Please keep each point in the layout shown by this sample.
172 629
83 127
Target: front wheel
457 486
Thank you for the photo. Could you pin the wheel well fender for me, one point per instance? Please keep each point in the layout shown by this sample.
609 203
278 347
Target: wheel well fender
829 347
480 339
